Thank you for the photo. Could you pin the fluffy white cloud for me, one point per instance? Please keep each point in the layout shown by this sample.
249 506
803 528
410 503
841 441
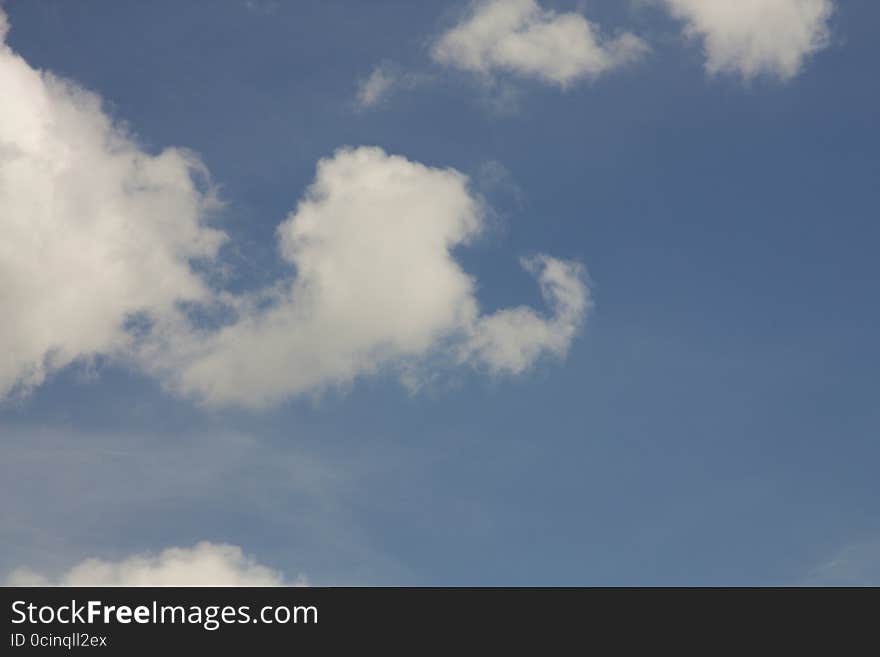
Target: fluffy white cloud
511 340
376 287
93 229
205 564
99 239
519 36
754 37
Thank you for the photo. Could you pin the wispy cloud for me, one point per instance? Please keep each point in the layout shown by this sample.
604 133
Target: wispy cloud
856 564
376 88
69 496
385 80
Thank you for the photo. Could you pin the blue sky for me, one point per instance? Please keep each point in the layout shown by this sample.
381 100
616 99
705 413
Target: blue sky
712 419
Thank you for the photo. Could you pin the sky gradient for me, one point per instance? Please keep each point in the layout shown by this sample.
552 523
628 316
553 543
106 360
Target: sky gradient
691 400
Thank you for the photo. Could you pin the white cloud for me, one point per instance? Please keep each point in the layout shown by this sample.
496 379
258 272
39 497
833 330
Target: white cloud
205 564
98 235
384 80
376 288
93 229
754 37
375 88
519 36
510 340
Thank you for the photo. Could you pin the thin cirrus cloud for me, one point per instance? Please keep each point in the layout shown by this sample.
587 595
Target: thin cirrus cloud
376 87
98 233
749 38
522 38
204 564
855 564
384 81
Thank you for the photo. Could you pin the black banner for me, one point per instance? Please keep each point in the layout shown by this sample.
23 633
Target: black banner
129 621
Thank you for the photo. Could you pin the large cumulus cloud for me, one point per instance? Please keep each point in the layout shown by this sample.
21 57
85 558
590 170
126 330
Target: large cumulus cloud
376 286
100 240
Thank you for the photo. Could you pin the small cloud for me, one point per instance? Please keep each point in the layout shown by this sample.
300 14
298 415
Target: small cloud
522 38
509 341
204 564
376 87
385 80
758 37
